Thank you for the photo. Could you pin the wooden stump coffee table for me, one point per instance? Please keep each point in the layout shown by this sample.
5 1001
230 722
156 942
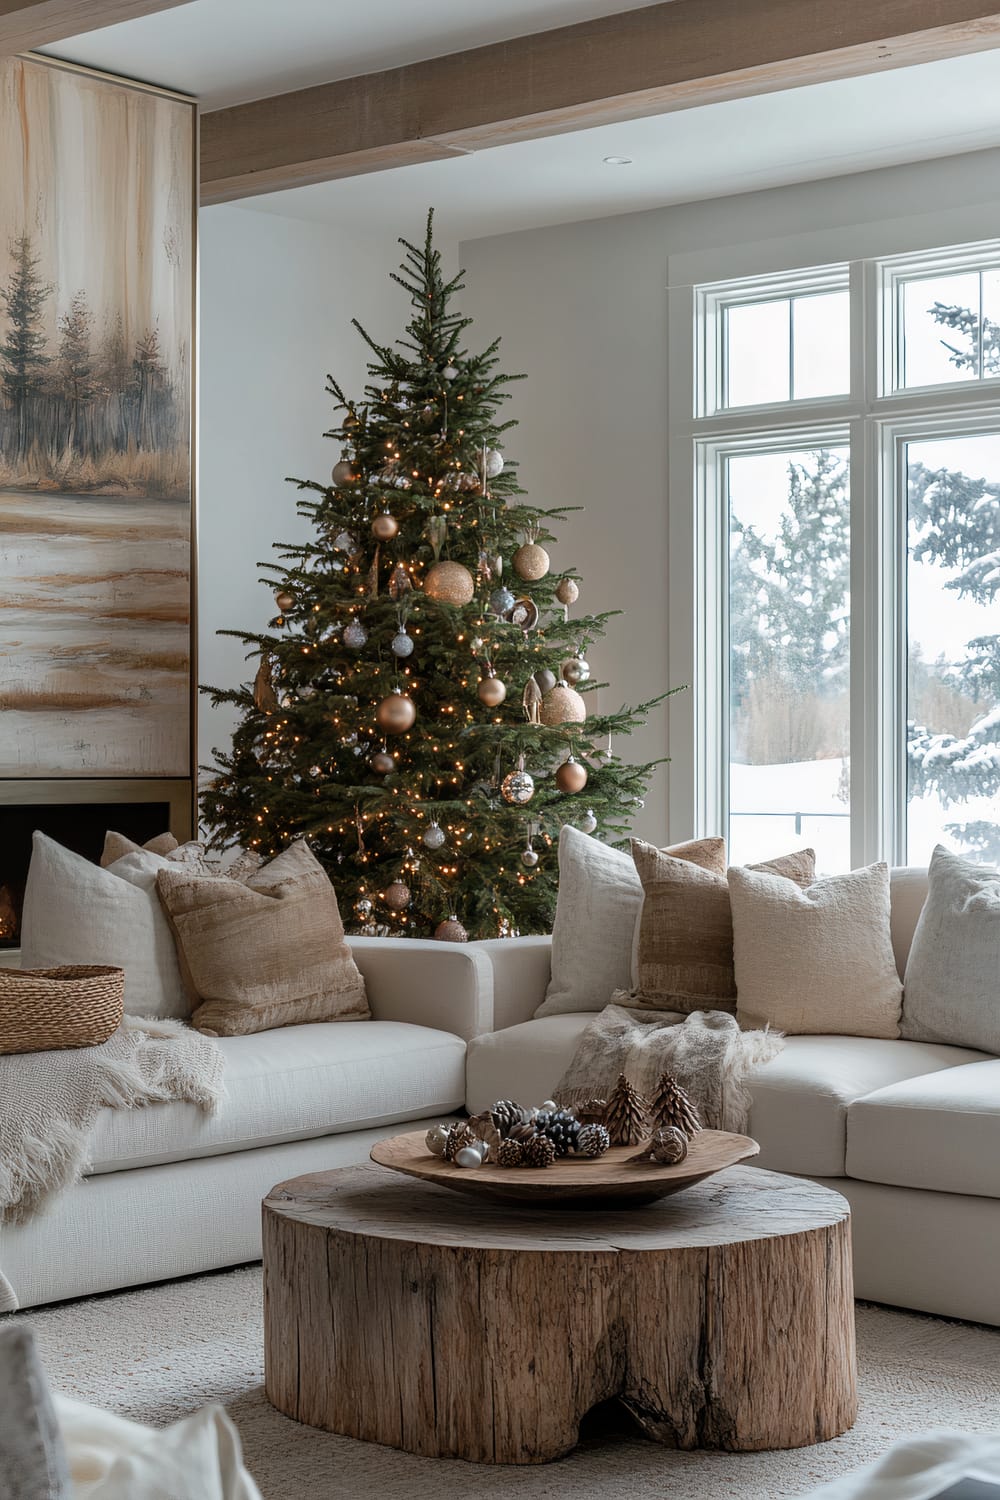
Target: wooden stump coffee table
401 1313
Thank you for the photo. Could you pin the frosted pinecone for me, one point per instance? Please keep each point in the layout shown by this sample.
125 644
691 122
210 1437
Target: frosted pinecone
593 1140
561 1126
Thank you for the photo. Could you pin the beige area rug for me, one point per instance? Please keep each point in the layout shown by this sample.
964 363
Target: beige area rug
157 1354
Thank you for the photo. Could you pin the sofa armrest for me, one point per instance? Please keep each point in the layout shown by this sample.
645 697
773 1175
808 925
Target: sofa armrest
448 986
521 971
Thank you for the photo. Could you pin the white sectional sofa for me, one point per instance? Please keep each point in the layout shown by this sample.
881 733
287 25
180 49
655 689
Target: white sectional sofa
173 1191
909 1132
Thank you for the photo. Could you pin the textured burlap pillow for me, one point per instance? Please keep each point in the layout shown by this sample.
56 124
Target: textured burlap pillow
815 962
264 952
116 846
685 951
600 896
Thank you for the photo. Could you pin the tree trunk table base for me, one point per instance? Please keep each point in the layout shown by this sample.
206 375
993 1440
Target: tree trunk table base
401 1313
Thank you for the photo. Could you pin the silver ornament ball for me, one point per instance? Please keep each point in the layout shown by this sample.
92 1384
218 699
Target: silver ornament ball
434 836
355 635
494 463
501 602
468 1157
588 822
517 788
401 644
575 670
529 858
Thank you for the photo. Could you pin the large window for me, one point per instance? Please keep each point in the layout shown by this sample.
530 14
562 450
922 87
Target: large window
846 463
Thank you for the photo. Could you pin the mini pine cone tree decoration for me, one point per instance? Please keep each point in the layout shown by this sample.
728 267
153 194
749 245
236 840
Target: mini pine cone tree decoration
671 1105
626 1117
420 706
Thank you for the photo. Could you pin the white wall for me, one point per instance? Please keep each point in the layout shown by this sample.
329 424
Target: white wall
277 299
583 310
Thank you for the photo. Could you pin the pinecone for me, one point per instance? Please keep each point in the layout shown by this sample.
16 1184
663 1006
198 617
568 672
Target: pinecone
523 1132
510 1154
505 1114
591 1111
672 1106
593 1140
539 1152
458 1136
626 1114
561 1126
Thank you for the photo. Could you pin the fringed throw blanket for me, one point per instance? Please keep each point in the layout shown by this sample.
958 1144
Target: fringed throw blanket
707 1053
50 1100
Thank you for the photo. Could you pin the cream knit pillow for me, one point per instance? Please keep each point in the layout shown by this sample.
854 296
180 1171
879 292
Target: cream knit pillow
952 981
817 961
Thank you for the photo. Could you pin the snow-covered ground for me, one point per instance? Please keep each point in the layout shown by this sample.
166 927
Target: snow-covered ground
774 809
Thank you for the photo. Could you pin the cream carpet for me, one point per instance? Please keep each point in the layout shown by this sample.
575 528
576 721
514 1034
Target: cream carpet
157 1354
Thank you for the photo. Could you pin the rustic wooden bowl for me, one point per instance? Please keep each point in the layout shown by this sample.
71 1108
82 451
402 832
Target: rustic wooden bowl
571 1181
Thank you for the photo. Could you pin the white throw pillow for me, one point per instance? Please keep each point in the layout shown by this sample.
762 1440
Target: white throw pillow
77 913
817 961
598 903
951 989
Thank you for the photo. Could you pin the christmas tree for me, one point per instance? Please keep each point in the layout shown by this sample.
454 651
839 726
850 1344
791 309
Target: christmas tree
419 711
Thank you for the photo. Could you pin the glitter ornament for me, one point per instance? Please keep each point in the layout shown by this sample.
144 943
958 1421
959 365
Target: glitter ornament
568 591
575 670
531 562
344 472
396 713
449 583
355 635
588 822
491 691
401 644
451 931
518 787
502 601
563 705
382 763
434 836
397 896
284 600
571 776
385 527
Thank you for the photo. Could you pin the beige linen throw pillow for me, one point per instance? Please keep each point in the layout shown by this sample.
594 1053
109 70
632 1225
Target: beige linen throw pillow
952 981
266 952
816 961
685 950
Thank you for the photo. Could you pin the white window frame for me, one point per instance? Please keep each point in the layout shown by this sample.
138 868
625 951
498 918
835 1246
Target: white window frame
878 419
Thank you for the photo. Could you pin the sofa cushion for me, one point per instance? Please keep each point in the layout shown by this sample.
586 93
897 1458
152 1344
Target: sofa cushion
940 1132
801 1097
288 1085
522 1062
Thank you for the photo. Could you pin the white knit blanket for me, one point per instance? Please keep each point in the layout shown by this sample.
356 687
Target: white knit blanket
49 1102
707 1053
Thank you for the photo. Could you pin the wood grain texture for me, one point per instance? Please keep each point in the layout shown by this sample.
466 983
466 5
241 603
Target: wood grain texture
572 1180
644 62
399 1313
32 23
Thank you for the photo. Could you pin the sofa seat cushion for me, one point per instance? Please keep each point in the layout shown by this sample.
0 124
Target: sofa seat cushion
522 1062
287 1085
940 1132
801 1097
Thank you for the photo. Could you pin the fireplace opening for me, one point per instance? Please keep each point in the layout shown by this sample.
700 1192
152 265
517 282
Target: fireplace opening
79 826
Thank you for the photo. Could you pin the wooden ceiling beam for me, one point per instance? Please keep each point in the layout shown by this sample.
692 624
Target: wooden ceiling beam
667 56
34 23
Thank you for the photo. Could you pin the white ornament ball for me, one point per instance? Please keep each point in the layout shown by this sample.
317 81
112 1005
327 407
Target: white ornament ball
355 635
563 705
468 1157
529 858
494 463
588 822
401 644
434 836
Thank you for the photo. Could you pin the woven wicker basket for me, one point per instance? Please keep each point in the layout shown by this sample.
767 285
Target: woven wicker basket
42 1010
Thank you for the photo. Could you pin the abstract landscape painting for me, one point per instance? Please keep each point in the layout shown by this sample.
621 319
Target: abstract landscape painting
96 309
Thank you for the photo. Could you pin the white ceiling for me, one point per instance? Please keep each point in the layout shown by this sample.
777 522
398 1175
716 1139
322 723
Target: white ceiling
229 50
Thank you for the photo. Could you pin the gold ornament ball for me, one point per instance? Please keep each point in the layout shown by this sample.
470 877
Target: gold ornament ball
396 896
571 776
284 600
568 591
563 705
491 691
396 714
344 472
382 763
385 527
531 562
449 583
451 931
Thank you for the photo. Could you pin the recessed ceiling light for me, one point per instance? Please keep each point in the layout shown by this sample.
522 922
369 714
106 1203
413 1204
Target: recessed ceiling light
618 161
